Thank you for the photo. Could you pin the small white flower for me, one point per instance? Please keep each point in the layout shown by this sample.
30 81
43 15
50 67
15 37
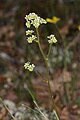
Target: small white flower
26 17
52 39
28 24
26 65
36 22
42 21
31 38
33 65
29 67
29 32
32 16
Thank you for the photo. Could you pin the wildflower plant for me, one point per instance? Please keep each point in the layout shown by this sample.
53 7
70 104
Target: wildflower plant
34 20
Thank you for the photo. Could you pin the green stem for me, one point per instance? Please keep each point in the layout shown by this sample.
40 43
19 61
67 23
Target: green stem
40 45
49 50
47 72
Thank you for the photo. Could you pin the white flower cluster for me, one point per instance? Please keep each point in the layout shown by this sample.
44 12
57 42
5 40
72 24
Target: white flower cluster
52 39
29 32
33 19
29 66
31 38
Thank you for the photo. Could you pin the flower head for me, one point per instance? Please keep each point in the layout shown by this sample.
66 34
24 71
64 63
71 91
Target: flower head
28 24
52 39
32 16
29 32
26 17
31 38
26 65
54 20
43 21
29 66
35 20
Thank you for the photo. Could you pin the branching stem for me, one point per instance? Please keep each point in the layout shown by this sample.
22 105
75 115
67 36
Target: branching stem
47 72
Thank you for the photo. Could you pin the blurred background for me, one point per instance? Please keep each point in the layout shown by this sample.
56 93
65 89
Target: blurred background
64 61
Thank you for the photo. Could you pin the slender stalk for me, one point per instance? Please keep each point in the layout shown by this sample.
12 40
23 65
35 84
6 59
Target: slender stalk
47 72
7 109
49 50
40 45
